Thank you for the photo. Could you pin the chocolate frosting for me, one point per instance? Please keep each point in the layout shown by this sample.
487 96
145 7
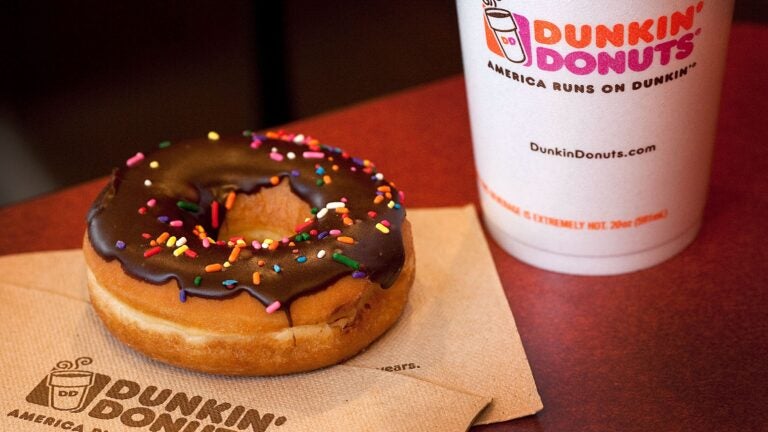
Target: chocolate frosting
121 225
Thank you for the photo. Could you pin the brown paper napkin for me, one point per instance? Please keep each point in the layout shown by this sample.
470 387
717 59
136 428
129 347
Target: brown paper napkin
457 328
454 352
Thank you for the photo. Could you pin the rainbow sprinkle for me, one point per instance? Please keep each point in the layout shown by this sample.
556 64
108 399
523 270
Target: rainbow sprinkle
273 307
135 159
230 200
234 254
151 252
301 227
180 250
347 261
211 268
346 239
188 206
215 214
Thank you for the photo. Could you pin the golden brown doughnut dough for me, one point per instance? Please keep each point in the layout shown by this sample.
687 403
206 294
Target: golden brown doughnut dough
236 336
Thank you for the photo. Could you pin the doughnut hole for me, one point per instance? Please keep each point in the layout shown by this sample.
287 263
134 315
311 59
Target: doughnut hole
273 213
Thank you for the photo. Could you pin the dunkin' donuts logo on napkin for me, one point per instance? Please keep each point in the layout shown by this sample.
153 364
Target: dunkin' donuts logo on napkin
587 48
67 387
77 399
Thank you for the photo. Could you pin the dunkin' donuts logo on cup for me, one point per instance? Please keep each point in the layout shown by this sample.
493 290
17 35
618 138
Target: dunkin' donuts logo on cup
590 48
501 33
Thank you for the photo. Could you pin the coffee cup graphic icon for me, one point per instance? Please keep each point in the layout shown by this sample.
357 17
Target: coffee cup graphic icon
68 389
68 385
505 28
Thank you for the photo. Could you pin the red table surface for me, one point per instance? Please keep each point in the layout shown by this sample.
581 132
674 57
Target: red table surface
681 346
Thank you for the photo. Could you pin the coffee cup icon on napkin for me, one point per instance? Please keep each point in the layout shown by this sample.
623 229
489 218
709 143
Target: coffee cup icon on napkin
68 385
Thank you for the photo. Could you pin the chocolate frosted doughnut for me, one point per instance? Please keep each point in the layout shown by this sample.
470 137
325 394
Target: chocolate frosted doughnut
314 236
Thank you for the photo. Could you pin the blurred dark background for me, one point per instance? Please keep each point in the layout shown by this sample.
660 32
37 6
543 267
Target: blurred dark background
84 84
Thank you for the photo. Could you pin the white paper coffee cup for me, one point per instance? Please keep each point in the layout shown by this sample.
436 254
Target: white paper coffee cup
593 124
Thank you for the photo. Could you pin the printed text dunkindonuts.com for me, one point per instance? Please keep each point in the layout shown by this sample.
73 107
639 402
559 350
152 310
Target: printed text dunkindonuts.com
583 154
